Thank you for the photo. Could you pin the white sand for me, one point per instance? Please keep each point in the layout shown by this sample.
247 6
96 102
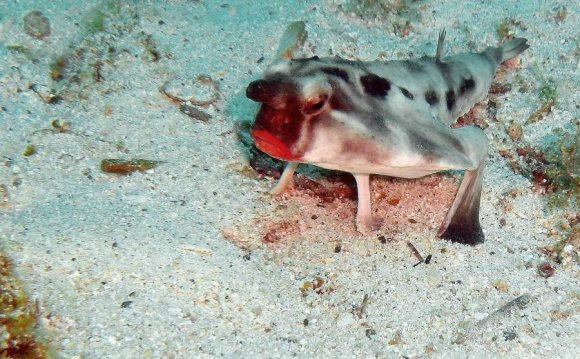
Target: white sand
84 242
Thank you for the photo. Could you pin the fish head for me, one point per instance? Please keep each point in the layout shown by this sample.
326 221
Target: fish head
292 100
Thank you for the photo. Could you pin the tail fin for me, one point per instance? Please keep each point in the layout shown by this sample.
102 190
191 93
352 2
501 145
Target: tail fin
513 48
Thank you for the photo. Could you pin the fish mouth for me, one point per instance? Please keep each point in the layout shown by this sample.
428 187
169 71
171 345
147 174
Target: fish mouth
272 145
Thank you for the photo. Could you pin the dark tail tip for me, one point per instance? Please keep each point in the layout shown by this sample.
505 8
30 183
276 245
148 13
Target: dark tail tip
470 234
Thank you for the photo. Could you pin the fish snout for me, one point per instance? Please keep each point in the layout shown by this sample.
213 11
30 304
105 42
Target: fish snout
262 91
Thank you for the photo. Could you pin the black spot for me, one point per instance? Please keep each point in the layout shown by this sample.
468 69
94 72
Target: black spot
407 93
335 71
450 98
466 85
431 97
375 85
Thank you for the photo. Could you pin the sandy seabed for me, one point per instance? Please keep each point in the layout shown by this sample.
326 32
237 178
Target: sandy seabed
193 259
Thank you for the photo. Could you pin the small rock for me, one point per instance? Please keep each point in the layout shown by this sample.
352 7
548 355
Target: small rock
60 125
545 270
36 24
29 150
46 94
126 304
515 131
509 335
501 285
559 315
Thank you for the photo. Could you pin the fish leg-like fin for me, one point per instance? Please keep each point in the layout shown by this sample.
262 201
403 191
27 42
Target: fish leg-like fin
365 222
286 181
440 45
461 224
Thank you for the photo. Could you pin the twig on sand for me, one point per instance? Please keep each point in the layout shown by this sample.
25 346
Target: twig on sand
415 253
359 311
507 309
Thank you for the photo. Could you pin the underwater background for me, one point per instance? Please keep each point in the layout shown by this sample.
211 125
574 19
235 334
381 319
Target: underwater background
135 220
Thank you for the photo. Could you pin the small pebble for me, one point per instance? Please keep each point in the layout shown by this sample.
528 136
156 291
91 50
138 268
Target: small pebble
393 201
545 270
509 335
515 131
501 286
60 125
29 150
36 24
126 304
46 94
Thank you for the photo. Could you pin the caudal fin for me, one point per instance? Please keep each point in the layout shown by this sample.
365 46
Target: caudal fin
513 48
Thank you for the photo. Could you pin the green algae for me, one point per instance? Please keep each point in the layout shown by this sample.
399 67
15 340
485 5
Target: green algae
95 19
548 91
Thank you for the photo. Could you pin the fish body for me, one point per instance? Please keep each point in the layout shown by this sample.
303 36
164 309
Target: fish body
389 118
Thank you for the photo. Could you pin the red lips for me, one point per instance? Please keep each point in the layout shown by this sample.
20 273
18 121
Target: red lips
271 145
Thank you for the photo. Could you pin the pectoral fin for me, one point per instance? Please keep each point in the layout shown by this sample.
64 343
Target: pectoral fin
286 180
365 222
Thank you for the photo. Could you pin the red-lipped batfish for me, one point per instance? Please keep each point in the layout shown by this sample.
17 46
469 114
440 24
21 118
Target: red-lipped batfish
382 117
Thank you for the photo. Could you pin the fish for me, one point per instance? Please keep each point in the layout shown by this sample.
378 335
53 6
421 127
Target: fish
391 118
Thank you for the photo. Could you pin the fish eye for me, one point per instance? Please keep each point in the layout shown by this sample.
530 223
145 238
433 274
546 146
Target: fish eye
314 105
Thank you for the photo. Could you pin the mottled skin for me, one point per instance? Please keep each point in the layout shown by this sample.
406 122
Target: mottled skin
388 118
